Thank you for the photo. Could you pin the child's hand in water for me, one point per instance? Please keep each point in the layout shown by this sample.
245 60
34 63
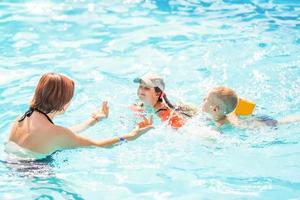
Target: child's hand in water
103 113
142 127
138 109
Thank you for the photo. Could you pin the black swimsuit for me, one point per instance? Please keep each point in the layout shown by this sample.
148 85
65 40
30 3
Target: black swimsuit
30 111
161 109
176 109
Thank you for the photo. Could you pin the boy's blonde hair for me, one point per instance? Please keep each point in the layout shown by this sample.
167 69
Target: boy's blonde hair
227 96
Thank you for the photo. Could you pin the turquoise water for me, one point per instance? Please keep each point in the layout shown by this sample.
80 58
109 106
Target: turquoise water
252 46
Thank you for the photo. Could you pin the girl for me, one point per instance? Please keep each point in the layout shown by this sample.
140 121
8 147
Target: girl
151 93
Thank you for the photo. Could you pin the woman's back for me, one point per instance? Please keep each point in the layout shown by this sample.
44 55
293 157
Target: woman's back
34 133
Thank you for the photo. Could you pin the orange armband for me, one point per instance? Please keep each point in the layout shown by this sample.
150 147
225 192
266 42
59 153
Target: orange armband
173 119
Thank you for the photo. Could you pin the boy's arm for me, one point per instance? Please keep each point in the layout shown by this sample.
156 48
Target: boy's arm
289 119
251 123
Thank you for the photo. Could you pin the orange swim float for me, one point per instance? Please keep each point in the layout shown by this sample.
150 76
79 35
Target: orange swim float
175 120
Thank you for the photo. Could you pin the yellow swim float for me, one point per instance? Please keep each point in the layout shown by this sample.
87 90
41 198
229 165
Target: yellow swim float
244 107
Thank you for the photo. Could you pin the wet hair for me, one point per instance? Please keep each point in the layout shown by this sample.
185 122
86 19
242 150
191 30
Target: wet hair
52 93
227 96
184 109
163 97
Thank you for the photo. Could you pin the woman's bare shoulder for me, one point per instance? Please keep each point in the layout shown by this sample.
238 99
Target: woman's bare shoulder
60 131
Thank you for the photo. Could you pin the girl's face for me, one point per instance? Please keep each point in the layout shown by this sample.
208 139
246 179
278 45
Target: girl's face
147 94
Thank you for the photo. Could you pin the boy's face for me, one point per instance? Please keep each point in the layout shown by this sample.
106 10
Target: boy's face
211 105
147 94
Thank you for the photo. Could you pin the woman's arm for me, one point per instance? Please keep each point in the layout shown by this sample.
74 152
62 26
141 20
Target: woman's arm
67 139
96 117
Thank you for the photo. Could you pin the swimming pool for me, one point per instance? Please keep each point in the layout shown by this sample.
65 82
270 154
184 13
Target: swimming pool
252 46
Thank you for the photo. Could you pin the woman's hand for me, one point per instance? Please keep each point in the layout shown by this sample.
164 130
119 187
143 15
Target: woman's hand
103 113
72 140
141 128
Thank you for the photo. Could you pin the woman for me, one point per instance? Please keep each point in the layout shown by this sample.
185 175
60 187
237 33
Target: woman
151 93
36 134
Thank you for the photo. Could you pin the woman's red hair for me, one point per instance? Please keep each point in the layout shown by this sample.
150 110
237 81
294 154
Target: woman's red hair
53 92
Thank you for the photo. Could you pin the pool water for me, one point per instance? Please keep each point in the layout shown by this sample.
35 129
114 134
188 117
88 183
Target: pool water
252 46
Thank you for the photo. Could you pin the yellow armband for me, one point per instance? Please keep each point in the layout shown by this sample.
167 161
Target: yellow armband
244 107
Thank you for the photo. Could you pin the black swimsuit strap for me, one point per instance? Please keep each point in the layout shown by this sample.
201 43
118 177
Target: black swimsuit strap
182 112
161 109
26 114
176 109
29 113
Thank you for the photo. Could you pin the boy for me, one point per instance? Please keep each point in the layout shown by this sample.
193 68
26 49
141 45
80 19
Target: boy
221 103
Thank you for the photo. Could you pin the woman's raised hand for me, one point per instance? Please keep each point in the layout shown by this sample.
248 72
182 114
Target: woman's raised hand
102 113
